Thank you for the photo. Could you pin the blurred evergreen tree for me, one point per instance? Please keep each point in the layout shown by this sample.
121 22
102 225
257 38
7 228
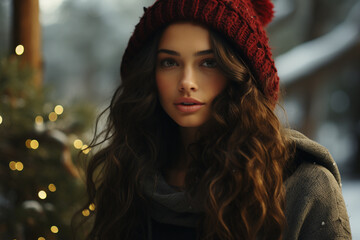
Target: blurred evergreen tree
40 188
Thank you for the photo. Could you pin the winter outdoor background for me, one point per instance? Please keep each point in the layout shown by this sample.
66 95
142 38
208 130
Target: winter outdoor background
316 45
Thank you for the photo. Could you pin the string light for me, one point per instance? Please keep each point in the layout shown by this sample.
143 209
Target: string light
78 144
39 120
53 116
1 119
12 165
16 166
41 238
27 143
85 149
59 109
85 212
19 166
52 187
19 50
54 229
42 194
34 144
92 207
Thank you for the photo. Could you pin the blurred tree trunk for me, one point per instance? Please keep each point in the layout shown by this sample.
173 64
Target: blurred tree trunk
26 30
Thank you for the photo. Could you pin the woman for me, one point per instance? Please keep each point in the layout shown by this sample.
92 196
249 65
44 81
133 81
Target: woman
194 149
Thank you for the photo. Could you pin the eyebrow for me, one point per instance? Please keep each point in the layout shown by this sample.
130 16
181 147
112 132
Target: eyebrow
174 53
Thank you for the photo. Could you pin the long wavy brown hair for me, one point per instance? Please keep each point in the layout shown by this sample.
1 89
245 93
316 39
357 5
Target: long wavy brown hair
238 165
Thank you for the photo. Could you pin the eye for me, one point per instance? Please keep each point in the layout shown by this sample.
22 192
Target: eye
168 63
209 63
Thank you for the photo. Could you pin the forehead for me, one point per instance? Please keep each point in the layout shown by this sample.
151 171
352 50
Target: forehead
185 35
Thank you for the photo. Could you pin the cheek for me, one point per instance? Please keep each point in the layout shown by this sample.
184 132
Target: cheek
217 85
165 86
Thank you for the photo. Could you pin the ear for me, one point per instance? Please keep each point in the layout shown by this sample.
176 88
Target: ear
264 10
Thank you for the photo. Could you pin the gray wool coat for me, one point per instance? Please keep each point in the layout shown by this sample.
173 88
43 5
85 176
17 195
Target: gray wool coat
314 205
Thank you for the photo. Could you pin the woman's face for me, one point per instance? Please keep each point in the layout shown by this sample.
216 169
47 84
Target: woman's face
187 76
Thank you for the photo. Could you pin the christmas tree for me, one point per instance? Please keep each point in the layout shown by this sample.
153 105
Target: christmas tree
40 141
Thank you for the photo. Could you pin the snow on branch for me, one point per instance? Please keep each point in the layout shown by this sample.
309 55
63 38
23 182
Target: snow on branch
310 56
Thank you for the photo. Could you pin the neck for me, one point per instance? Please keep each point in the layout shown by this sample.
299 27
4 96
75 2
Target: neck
176 175
187 137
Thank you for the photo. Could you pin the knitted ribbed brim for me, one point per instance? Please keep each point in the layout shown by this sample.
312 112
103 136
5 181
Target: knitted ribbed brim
240 21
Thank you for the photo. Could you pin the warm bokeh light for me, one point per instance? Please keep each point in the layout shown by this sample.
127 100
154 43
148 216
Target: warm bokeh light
54 229
12 165
19 50
52 187
39 120
53 116
34 144
59 109
27 143
92 207
19 166
85 149
78 144
42 194
41 238
1 119
85 212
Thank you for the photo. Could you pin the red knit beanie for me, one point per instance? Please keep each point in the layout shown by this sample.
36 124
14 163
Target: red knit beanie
240 21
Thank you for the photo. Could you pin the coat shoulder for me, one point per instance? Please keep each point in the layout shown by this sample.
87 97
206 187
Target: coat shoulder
315 208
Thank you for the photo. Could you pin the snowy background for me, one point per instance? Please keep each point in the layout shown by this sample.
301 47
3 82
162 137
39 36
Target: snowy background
316 44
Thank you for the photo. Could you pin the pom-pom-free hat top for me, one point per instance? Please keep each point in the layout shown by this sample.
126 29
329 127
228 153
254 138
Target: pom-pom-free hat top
242 22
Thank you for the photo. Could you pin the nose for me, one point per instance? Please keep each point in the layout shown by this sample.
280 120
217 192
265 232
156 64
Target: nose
188 81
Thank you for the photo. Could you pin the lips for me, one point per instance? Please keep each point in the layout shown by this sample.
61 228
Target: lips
188 105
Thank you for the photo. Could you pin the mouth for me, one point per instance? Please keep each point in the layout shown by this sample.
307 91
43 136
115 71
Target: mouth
188 102
188 105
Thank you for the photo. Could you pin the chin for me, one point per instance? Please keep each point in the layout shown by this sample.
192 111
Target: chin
189 124
190 120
